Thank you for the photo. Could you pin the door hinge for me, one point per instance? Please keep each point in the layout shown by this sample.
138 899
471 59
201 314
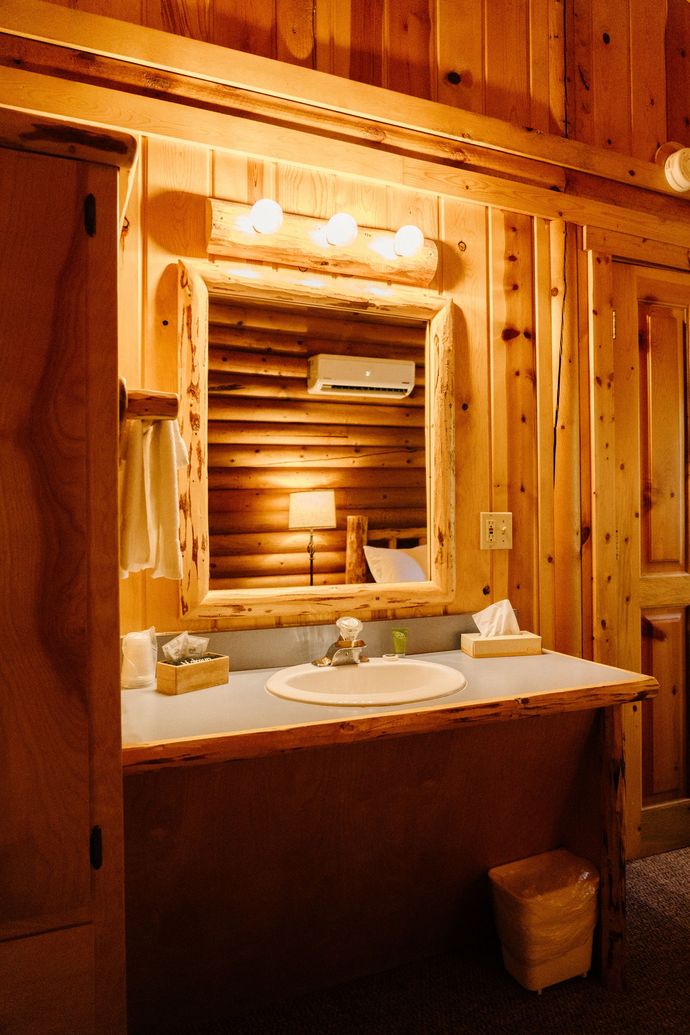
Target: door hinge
613 324
90 215
96 848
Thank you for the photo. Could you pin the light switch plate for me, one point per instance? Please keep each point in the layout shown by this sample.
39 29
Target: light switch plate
496 530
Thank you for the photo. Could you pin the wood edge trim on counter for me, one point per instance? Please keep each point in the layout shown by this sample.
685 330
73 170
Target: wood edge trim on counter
94 34
228 747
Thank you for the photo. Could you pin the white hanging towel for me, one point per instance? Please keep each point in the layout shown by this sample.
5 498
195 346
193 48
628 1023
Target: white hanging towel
149 510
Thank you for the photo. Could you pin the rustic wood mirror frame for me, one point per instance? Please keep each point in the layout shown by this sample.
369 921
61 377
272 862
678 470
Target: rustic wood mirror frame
200 280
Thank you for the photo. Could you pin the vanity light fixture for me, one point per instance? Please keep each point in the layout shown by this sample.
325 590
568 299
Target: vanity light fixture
408 241
266 216
341 230
312 510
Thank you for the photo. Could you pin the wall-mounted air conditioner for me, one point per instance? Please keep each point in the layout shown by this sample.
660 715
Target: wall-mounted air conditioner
360 376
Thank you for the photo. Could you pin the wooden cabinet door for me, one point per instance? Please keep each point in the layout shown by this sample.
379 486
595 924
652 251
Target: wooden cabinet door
60 799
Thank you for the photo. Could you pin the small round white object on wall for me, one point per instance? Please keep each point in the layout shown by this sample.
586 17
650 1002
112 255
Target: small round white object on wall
677 169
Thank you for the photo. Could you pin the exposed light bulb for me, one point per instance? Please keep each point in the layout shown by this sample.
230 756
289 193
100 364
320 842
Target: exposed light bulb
408 241
266 216
341 229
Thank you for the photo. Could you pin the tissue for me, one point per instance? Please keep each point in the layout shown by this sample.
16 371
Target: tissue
499 634
497 620
139 651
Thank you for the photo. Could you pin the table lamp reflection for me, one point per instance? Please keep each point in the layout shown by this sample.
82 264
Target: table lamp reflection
312 510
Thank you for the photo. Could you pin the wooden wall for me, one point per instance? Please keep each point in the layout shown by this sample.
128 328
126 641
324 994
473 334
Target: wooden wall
504 58
492 264
514 277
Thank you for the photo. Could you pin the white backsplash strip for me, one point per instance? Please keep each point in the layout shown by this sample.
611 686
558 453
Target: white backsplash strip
277 648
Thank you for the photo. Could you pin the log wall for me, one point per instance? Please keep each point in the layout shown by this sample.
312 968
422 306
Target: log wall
269 437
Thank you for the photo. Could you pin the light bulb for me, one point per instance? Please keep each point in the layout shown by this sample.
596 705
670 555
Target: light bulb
266 216
341 229
408 241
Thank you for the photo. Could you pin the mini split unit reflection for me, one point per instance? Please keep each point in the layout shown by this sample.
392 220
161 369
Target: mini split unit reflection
360 376
312 510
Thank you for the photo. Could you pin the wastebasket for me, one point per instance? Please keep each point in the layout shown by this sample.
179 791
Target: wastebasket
545 909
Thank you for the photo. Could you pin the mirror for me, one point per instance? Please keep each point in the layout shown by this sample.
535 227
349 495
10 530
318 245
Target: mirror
239 295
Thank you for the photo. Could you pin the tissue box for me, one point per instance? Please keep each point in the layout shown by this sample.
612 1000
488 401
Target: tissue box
179 678
478 646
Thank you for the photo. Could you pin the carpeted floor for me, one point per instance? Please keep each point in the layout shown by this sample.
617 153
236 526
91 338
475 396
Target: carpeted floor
455 996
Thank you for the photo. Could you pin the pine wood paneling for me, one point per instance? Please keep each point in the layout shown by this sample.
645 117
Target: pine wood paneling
603 460
664 724
514 466
647 77
567 440
466 273
506 45
545 587
602 73
677 65
460 35
190 18
662 433
409 50
294 31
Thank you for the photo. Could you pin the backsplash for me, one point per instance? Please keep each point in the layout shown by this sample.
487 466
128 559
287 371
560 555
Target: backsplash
277 648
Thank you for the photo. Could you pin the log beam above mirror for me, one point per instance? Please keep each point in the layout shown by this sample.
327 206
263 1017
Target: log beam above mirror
301 241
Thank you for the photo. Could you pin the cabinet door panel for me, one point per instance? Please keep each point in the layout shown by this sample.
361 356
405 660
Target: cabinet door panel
44 713
47 983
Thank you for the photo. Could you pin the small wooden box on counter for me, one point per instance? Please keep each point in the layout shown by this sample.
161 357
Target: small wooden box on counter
478 646
173 678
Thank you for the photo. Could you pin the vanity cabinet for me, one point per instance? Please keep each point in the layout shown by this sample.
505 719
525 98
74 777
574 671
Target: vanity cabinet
61 913
325 843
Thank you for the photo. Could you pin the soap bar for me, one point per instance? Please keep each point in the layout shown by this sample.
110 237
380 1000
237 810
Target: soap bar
478 646
173 678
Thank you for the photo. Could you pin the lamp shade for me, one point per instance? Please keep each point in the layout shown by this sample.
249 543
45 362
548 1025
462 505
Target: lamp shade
312 509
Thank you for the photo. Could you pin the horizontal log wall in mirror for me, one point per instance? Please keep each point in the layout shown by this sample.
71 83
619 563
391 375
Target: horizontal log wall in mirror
256 434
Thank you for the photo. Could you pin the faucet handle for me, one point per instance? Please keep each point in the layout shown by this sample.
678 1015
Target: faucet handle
349 628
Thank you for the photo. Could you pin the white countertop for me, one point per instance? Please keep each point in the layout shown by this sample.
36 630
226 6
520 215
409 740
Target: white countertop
243 704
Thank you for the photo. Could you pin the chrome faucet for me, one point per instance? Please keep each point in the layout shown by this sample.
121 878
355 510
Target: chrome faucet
347 649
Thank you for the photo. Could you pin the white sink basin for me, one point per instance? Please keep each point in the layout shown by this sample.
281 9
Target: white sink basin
378 681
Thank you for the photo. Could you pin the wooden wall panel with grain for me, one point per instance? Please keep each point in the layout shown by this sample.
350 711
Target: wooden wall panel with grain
677 67
514 406
466 279
664 740
662 435
603 459
567 440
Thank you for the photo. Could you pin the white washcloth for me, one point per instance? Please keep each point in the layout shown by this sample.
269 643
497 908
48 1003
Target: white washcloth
149 511
497 620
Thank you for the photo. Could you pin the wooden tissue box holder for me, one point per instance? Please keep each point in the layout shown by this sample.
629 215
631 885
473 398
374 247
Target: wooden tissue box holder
210 670
478 646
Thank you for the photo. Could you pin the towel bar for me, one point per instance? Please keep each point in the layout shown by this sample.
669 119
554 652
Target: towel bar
140 404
